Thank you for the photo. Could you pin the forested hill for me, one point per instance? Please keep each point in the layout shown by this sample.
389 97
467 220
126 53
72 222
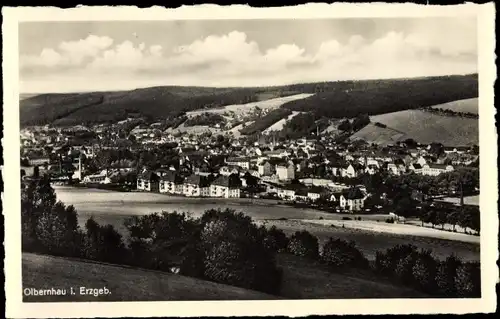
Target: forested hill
331 99
348 99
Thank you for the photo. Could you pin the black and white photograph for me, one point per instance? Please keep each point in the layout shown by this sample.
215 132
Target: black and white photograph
252 159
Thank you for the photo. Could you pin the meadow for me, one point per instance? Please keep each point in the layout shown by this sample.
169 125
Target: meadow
379 135
465 105
426 128
108 207
125 283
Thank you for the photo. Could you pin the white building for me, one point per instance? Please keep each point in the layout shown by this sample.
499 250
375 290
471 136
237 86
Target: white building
436 169
225 187
285 172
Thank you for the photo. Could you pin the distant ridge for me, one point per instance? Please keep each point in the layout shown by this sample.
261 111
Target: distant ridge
330 99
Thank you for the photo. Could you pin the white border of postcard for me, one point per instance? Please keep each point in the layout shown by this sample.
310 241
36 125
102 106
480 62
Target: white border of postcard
15 308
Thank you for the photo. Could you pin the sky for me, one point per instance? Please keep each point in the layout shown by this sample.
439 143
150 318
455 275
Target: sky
122 55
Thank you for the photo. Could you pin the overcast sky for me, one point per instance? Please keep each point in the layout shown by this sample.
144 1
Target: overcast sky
94 56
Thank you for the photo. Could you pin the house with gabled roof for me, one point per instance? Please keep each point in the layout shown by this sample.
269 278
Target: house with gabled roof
286 171
243 162
265 168
352 199
229 169
315 192
226 187
171 183
148 181
436 169
348 170
196 186
415 167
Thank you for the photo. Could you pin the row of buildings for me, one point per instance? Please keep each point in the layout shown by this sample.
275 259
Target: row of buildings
195 185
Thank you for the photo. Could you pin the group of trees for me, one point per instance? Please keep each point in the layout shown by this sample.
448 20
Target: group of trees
360 121
419 269
207 119
467 217
448 112
264 122
220 246
404 264
303 125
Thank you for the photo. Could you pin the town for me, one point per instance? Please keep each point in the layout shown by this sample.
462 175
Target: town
320 170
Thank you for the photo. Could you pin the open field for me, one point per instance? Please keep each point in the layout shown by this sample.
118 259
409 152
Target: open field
197 129
369 242
108 207
278 126
379 135
468 200
466 105
241 109
398 229
425 127
124 283
235 131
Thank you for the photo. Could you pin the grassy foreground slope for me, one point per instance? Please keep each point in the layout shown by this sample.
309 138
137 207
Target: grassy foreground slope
125 284
302 279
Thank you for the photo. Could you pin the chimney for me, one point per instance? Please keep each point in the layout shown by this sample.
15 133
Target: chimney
461 194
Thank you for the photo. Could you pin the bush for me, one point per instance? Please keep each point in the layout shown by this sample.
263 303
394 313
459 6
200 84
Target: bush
468 280
235 251
424 272
242 264
57 230
445 276
103 243
159 241
339 253
276 240
304 244
346 218
387 262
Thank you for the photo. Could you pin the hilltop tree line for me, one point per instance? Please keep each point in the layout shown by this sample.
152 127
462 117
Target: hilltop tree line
349 99
263 123
207 119
224 247
448 112
341 99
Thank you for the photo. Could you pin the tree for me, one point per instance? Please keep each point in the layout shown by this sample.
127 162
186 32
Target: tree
276 240
302 243
445 276
345 126
236 252
424 272
441 218
37 198
360 121
339 253
57 230
468 280
103 243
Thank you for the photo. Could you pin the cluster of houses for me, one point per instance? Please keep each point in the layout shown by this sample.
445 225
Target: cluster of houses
195 185
223 186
